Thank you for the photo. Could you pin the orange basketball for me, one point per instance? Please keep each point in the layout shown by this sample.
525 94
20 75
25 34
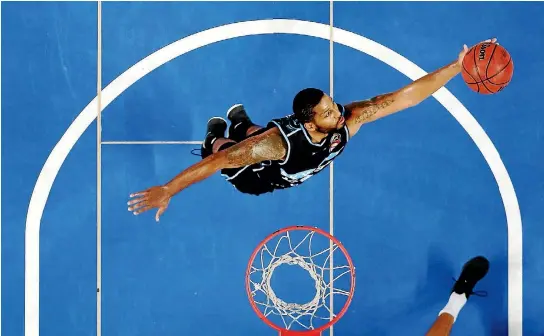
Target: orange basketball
487 68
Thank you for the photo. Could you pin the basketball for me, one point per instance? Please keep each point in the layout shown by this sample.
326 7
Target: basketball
487 68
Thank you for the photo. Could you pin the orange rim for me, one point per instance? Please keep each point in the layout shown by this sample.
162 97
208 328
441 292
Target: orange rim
300 228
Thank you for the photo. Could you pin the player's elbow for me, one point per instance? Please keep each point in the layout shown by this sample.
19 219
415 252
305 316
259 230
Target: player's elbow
409 97
216 161
409 103
221 161
237 156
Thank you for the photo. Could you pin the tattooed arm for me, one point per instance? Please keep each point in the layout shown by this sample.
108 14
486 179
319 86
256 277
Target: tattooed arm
408 96
269 145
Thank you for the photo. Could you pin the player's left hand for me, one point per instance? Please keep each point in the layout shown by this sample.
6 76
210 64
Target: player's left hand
466 49
154 197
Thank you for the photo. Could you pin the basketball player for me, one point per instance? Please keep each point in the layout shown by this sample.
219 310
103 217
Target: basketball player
289 150
473 271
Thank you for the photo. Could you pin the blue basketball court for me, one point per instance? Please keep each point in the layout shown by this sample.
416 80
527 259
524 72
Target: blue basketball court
413 197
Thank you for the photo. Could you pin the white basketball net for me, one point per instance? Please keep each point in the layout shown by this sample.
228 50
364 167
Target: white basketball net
299 314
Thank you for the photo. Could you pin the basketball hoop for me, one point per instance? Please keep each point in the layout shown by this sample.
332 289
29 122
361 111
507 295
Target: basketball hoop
317 254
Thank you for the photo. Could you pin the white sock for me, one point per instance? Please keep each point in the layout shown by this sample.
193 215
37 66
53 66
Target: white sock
454 305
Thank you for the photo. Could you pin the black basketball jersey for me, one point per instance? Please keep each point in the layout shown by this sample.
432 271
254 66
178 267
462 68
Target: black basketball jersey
304 158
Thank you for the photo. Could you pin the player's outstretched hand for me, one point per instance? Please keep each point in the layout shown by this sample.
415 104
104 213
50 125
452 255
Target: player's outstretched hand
466 49
154 197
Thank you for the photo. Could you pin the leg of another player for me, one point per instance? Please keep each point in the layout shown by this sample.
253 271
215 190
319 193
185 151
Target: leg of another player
442 325
473 271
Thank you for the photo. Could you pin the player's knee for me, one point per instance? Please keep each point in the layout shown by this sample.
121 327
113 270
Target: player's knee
252 129
221 144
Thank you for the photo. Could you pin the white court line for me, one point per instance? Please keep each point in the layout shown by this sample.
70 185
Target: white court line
151 142
0 187
99 173
331 170
61 150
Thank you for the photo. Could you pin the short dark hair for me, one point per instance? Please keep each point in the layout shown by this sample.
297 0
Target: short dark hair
304 103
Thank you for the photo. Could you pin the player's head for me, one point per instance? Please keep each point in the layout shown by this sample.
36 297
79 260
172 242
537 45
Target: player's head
317 111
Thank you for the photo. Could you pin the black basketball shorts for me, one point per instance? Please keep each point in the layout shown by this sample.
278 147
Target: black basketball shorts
246 179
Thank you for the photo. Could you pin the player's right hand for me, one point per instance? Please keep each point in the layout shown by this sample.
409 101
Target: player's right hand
466 49
154 197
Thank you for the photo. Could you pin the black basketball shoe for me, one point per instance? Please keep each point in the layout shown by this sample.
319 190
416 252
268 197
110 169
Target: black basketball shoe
240 122
215 129
473 271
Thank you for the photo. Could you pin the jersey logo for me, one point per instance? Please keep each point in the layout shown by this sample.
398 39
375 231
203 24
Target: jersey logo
335 141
